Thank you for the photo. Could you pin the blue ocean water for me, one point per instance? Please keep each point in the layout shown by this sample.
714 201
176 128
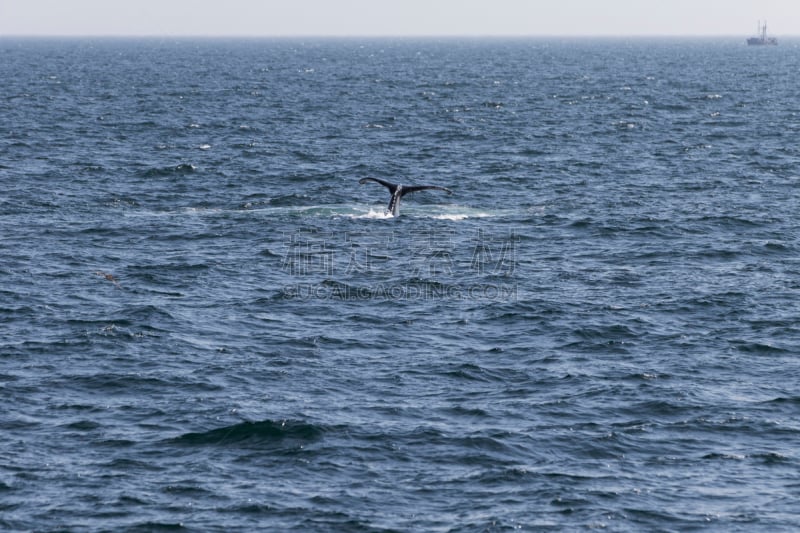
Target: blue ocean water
207 324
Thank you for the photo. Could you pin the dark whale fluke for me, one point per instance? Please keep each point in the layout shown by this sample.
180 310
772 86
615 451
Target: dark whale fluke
398 191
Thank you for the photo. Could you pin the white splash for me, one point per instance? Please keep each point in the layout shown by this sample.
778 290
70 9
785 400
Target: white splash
382 214
454 218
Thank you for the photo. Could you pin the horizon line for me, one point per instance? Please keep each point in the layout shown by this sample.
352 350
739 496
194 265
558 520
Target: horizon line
381 36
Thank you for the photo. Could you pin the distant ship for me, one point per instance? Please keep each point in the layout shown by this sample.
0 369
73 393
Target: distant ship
761 37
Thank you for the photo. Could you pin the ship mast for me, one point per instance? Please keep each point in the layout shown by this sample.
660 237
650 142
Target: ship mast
761 35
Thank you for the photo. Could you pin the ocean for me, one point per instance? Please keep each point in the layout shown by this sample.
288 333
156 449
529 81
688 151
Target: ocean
208 324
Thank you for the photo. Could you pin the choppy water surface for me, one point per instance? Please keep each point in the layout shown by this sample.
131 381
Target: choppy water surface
207 324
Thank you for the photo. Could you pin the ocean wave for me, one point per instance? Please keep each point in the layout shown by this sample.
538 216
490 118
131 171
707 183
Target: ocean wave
285 434
181 169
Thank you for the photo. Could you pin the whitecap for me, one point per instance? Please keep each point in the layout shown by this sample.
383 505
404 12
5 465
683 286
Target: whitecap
454 218
458 217
372 213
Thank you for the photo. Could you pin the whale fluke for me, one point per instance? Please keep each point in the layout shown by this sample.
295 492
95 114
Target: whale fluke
398 191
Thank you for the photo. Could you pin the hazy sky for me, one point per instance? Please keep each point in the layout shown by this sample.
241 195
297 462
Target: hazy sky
396 17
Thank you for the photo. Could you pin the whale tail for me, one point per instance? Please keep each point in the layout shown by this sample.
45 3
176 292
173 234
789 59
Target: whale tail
398 191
